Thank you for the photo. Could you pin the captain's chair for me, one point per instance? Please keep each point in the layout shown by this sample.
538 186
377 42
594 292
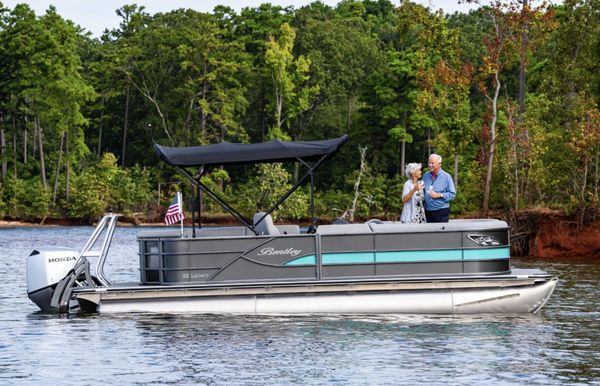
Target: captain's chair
265 227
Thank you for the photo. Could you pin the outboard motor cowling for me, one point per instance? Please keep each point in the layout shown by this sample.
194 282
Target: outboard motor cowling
45 268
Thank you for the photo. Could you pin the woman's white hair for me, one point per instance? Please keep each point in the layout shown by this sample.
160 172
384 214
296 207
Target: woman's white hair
411 168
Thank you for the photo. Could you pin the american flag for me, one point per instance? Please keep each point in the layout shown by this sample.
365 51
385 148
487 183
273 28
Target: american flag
175 211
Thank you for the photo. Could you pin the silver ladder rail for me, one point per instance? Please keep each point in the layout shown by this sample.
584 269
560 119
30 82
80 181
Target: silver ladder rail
80 275
108 223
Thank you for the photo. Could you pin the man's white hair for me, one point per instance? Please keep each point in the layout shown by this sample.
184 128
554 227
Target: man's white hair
437 157
411 168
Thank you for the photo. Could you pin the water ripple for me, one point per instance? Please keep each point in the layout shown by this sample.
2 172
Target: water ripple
559 346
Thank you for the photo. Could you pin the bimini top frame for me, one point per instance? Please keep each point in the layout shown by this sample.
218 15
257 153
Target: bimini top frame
311 154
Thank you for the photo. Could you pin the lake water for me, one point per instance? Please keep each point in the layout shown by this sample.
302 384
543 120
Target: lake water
559 346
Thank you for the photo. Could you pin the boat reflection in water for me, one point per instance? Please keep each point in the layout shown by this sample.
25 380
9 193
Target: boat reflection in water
377 267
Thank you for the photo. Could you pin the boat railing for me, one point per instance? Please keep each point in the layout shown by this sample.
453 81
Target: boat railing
106 226
222 232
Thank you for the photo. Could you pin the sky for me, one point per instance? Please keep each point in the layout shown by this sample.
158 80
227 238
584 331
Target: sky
97 15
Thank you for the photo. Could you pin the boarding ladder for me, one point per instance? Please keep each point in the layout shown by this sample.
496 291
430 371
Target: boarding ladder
80 275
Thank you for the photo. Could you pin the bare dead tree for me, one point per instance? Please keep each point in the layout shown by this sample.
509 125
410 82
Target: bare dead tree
55 190
41 145
361 171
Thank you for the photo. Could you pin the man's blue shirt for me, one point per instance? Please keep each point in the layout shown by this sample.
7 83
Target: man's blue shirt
443 184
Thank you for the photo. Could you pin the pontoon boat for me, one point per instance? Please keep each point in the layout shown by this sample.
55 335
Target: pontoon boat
376 267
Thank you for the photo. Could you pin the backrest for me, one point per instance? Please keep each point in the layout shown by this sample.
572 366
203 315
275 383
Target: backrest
265 227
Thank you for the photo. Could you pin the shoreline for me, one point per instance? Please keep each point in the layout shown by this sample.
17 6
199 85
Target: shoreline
67 223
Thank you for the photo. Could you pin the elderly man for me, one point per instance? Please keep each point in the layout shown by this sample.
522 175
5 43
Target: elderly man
439 191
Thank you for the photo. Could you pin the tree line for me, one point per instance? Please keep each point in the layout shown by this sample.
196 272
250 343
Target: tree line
508 94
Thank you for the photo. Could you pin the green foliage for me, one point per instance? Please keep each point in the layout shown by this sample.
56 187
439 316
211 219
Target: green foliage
104 186
133 190
469 190
393 196
381 196
218 181
400 134
289 77
262 192
372 194
402 80
378 194
331 204
24 199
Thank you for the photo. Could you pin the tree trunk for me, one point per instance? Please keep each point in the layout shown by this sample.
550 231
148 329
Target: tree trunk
522 93
41 145
203 115
278 102
523 63
68 167
490 165
279 108
25 135
188 118
263 117
14 124
152 98
596 179
516 160
402 156
455 171
34 140
296 174
428 141
3 154
582 206
55 190
363 156
125 125
100 130
403 146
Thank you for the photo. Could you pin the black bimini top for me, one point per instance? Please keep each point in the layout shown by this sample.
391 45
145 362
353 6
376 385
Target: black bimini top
227 153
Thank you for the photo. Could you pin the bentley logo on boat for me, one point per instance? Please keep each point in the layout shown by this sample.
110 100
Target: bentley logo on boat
61 259
484 240
272 251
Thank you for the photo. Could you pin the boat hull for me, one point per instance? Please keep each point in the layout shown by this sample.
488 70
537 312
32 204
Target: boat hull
432 297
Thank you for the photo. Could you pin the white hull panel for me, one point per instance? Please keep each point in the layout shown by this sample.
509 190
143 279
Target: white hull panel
510 299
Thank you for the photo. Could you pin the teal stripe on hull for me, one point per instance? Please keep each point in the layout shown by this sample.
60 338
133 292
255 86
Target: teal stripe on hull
404 256
348 258
486 254
418 256
304 260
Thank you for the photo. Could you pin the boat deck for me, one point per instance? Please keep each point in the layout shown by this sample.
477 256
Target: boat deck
516 274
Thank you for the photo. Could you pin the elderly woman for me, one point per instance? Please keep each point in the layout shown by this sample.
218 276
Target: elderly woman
413 210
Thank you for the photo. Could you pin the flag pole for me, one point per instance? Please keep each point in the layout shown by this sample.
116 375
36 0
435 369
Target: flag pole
180 210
